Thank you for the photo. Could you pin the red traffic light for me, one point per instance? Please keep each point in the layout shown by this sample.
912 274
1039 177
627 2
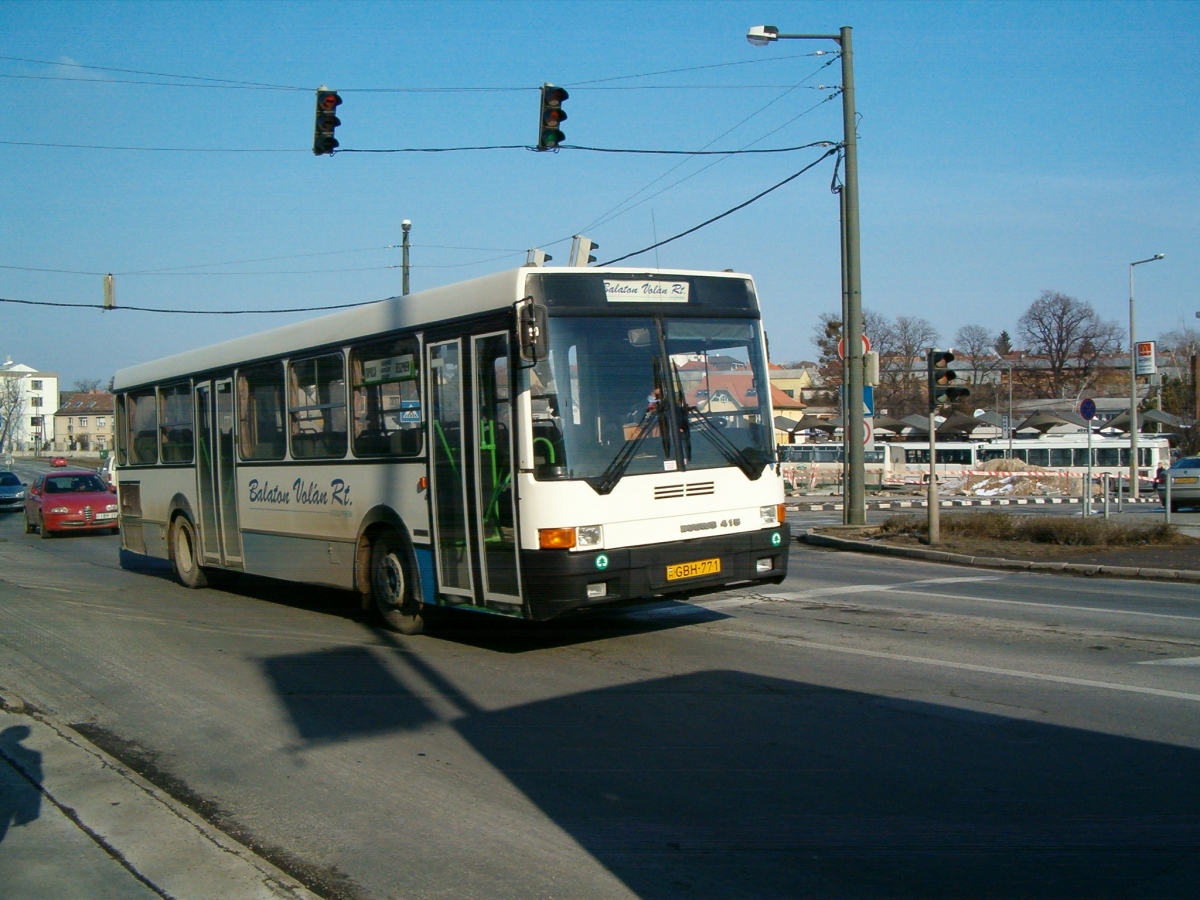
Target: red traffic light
552 115
324 143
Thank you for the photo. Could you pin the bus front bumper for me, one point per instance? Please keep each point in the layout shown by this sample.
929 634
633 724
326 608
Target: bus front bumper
561 581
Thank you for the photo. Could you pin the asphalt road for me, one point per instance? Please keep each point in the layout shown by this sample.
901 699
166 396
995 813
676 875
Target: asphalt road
872 727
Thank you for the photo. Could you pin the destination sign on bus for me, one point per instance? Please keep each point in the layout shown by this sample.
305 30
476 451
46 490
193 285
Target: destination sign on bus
393 368
642 291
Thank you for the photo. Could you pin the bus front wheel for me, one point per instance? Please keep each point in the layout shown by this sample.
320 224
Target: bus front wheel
184 552
391 588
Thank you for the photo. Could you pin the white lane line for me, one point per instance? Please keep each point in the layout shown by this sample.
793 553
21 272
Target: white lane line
906 588
872 588
38 587
965 667
1067 606
1179 661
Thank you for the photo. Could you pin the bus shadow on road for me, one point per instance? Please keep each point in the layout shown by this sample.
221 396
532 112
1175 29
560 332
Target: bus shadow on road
727 784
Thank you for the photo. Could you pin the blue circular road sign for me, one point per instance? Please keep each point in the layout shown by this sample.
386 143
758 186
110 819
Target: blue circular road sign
1087 409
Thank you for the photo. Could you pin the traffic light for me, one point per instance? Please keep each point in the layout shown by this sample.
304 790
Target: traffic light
323 140
937 364
581 251
552 115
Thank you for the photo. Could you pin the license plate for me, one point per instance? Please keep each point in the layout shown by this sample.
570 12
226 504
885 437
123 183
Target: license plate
105 516
693 569
1187 479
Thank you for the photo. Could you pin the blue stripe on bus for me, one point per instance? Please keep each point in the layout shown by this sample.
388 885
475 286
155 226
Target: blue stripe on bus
425 566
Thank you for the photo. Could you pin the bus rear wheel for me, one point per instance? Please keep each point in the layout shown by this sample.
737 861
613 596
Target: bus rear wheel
391 588
184 552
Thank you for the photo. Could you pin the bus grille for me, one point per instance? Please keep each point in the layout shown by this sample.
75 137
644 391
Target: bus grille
674 491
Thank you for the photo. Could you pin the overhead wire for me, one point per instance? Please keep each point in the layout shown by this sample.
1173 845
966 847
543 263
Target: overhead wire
727 212
618 210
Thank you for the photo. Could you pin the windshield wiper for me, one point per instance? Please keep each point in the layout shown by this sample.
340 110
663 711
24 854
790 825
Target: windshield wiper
608 479
724 446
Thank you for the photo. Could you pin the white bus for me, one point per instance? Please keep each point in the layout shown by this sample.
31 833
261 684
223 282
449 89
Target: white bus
529 443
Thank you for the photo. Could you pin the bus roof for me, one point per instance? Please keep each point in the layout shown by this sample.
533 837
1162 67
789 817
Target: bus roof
463 298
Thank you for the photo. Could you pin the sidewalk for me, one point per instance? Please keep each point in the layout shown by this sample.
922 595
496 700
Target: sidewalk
76 823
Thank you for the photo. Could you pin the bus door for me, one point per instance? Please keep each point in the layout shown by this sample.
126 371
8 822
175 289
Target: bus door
447 469
231 536
216 480
495 507
206 475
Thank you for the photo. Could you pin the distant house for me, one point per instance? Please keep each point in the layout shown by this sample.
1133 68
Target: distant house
33 395
84 421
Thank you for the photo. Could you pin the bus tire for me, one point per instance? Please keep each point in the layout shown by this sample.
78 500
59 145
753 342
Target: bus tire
392 587
184 548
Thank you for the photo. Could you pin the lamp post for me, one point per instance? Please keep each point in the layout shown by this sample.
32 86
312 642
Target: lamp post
1004 362
405 227
855 496
1133 412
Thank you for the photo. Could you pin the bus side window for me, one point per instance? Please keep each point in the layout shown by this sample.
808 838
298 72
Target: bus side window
260 412
317 407
142 435
175 422
119 432
386 398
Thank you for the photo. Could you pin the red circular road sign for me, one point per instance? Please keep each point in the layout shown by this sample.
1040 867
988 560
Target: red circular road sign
866 341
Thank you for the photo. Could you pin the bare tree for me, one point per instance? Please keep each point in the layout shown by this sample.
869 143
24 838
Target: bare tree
84 385
1180 344
902 346
12 408
978 345
1070 337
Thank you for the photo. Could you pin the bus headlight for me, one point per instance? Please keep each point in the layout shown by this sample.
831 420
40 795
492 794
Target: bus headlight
590 536
772 515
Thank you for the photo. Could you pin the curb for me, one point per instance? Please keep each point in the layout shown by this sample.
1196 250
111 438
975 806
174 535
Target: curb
157 840
992 562
922 504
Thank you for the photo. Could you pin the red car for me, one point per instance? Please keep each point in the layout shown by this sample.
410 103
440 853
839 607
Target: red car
59 462
70 501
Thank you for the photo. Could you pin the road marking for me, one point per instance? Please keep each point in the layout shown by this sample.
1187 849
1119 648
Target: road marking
1180 661
966 667
872 588
1092 609
38 587
906 588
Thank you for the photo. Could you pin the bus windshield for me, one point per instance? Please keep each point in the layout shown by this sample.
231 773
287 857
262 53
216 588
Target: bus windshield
632 395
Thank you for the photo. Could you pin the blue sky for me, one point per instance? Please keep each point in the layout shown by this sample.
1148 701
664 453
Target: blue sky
1004 149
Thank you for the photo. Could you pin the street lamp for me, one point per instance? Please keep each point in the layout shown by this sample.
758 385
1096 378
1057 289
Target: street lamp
1005 362
855 500
1133 412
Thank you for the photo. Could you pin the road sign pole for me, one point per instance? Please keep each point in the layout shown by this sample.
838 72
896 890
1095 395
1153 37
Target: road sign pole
1087 494
935 524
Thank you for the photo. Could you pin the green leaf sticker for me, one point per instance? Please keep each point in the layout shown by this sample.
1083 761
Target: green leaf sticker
602 561
776 539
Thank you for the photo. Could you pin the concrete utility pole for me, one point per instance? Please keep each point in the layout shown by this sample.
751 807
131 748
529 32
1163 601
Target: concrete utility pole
1133 410
855 500
406 227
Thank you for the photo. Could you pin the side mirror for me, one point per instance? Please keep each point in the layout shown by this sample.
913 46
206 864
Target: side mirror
531 330
112 488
